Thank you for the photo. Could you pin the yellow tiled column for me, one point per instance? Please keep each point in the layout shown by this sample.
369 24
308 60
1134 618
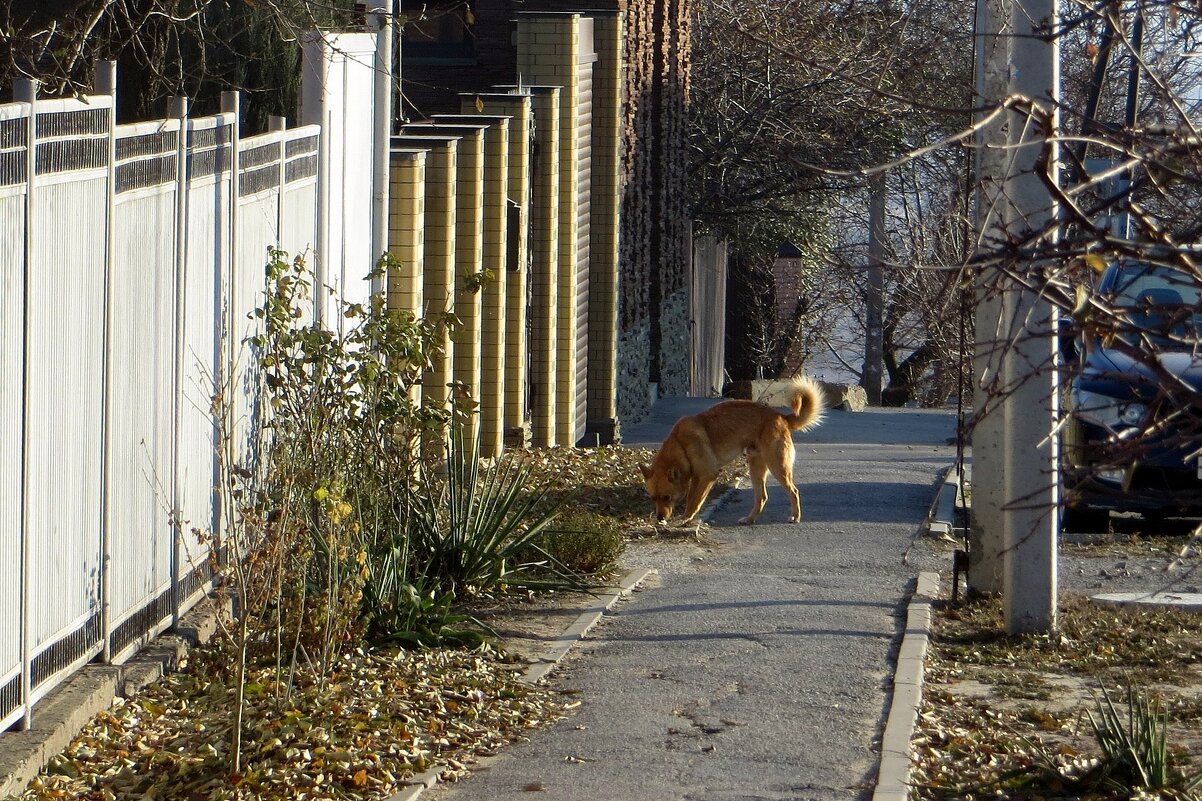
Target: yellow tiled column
603 230
517 108
545 231
438 273
548 53
406 230
469 261
492 264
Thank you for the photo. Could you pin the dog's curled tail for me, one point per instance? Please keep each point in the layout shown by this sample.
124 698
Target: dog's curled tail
808 403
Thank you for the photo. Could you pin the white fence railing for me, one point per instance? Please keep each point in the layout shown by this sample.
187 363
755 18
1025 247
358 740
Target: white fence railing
130 256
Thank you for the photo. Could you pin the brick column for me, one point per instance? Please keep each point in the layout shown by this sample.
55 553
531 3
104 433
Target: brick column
469 263
438 274
517 107
406 224
492 293
548 53
545 231
602 420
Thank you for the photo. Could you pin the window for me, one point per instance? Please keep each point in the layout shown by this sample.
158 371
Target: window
438 33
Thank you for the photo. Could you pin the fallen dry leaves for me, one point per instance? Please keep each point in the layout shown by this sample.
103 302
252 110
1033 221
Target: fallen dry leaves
607 480
1004 717
381 718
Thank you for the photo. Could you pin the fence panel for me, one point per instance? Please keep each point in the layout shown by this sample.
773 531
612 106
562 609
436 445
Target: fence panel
208 226
142 297
65 386
298 214
258 193
13 133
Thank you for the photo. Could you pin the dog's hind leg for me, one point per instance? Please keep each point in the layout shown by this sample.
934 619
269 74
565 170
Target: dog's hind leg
759 481
782 470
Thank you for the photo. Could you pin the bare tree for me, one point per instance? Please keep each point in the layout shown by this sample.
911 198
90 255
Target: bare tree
791 101
193 48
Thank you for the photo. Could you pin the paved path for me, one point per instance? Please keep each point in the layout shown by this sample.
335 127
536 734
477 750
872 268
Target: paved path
763 671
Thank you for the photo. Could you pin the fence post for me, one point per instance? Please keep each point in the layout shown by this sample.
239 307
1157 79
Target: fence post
278 124
230 102
105 83
382 114
177 109
26 91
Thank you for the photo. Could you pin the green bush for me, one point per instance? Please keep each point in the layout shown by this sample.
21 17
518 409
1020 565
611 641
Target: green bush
584 542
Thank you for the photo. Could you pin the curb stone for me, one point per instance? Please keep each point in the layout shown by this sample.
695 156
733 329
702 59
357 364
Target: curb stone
537 671
893 778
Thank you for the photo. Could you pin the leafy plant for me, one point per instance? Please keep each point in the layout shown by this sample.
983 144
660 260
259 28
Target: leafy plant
1135 747
586 542
474 526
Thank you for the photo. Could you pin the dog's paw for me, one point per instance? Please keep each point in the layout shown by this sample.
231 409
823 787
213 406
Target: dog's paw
746 521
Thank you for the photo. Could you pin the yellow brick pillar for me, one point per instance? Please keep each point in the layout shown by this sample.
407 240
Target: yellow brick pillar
602 423
406 229
549 53
516 106
492 265
469 261
545 231
438 266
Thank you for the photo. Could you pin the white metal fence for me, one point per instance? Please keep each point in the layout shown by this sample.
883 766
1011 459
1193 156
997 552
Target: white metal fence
127 254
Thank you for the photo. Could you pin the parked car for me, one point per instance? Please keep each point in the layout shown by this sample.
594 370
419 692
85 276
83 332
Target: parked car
1134 403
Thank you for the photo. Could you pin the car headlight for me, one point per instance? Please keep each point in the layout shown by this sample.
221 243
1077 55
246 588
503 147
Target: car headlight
1110 412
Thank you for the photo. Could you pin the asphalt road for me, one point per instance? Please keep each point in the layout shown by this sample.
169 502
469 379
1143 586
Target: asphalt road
760 667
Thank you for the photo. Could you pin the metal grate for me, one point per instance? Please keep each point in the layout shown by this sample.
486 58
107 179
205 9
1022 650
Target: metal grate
146 172
13 133
68 155
258 156
73 123
196 578
64 653
259 180
208 137
12 167
208 162
10 696
142 622
151 144
296 147
301 168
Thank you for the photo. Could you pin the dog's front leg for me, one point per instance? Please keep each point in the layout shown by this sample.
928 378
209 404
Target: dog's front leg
699 490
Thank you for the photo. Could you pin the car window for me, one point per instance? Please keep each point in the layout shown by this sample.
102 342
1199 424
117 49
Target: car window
1162 305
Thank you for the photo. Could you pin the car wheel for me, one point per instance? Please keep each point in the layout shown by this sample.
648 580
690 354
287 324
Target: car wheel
1083 520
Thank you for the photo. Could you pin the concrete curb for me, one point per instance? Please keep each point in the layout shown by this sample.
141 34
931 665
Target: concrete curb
562 644
941 521
893 778
60 716
537 671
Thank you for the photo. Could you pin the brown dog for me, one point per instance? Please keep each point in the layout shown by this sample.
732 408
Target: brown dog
688 462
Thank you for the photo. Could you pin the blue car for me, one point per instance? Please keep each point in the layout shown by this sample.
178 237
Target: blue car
1133 433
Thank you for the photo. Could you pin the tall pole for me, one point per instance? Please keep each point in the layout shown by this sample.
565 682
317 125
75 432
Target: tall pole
1031 402
872 377
383 91
993 161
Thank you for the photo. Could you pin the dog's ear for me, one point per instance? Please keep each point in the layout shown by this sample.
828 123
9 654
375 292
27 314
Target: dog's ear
646 468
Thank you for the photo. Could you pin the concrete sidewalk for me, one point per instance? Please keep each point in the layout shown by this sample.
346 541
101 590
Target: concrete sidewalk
765 666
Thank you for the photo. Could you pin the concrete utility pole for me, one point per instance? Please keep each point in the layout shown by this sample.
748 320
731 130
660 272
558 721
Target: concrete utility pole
381 20
993 216
1015 470
1031 520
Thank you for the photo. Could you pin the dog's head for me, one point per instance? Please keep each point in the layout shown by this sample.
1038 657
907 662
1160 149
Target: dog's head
666 486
